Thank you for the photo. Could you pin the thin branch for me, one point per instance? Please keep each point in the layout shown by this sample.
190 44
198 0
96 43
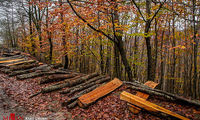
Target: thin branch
161 5
113 25
92 27
138 9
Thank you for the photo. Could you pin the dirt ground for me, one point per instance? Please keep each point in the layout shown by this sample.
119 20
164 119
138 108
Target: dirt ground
14 99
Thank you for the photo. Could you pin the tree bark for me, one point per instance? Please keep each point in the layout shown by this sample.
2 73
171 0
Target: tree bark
170 96
14 73
89 85
40 73
56 78
67 83
70 100
82 84
12 57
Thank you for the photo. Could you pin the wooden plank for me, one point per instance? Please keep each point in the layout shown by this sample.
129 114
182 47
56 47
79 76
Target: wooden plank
99 92
150 84
22 62
7 61
142 103
135 109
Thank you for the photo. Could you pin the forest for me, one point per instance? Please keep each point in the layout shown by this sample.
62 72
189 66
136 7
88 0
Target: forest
128 39
132 40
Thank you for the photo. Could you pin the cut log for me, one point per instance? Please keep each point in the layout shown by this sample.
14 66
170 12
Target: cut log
93 96
19 67
10 58
72 105
5 70
22 62
68 83
142 103
56 78
82 84
89 85
6 65
10 61
170 96
24 67
11 54
72 99
39 73
20 72
135 109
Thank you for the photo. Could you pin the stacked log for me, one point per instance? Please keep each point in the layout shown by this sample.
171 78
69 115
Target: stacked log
18 68
67 83
11 58
142 88
24 67
72 102
56 78
87 85
82 84
40 73
21 72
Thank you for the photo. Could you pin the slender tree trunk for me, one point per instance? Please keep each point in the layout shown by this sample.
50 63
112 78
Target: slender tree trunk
49 34
150 69
173 64
195 53
66 61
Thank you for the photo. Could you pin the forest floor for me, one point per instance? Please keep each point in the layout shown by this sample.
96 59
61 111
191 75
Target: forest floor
14 99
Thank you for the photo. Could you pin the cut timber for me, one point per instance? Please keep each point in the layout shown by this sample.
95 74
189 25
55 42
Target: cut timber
68 83
24 67
40 73
135 109
91 97
22 62
142 103
82 84
142 88
20 72
89 85
5 65
12 69
150 84
9 61
75 97
56 77
11 58
11 54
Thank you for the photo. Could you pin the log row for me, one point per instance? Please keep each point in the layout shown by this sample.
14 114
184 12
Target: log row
78 84
170 96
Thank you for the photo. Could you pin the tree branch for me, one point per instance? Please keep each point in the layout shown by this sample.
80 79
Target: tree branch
161 5
92 27
138 10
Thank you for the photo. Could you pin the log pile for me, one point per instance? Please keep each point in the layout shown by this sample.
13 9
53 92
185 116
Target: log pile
81 89
91 97
146 105
78 84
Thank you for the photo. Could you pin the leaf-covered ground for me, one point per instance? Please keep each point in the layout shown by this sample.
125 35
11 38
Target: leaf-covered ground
109 108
